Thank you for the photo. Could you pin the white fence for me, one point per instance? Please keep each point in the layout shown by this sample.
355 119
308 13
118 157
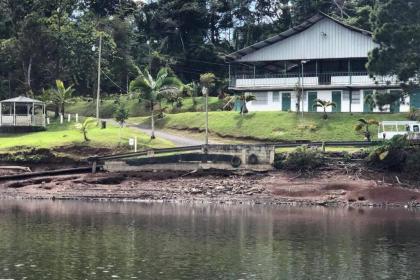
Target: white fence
22 120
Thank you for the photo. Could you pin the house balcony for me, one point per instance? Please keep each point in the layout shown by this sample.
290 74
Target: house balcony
320 80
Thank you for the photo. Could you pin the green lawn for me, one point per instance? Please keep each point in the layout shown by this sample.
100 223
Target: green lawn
274 126
63 135
107 108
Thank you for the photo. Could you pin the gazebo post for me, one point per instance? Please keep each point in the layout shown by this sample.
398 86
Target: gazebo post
14 113
33 114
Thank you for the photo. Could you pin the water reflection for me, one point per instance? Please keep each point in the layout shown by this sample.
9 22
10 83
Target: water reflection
76 240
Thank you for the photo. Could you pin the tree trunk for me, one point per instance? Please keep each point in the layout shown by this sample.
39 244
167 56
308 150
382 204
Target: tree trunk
56 111
153 122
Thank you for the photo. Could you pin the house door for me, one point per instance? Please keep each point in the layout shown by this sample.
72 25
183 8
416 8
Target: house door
395 107
312 96
367 107
336 98
415 99
285 101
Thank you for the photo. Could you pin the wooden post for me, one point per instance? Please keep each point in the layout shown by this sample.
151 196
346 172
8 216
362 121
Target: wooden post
14 113
77 118
94 166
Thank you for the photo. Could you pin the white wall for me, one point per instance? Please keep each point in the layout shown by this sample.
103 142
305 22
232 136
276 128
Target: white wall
270 106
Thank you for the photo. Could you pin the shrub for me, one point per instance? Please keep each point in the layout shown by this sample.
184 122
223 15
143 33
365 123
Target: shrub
412 164
303 159
278 161
391 155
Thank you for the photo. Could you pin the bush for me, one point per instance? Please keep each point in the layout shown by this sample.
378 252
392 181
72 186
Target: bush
392 155
412 164
303 159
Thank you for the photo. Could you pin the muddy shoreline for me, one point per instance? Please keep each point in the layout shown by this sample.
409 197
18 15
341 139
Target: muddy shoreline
333 187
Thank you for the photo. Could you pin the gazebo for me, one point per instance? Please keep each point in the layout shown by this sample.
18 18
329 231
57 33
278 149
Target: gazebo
22 112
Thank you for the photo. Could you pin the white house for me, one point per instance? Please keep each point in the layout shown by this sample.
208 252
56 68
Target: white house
323 58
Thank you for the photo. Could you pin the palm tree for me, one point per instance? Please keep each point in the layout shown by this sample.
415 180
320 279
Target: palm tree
364 125
324 105
242 99
85 126
152 90
208 81
60 96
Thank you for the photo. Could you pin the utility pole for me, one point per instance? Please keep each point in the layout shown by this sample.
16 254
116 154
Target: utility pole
207 115
98 93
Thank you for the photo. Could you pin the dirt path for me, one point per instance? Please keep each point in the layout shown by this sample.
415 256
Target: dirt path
177 140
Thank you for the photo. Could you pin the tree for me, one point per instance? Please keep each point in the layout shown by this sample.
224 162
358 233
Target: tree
364 125
370 101
153 89
60 96
85 126
207 81
192 89
324 104
396 28
121 115
241 100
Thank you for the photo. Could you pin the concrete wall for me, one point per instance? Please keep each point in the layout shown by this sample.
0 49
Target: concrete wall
265 155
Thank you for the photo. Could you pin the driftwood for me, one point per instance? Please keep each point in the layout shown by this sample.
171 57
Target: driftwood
21 168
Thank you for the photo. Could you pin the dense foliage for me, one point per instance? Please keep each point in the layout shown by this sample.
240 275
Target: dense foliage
42 41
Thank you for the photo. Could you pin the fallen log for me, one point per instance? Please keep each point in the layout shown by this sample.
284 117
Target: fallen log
21 168
48 173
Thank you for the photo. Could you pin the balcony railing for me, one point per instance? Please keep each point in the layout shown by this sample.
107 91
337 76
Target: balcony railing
320 79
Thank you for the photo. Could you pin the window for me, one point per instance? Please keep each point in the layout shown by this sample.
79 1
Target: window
355 98
276 97
261 98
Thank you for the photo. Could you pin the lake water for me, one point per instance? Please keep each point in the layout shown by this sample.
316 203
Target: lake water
80 240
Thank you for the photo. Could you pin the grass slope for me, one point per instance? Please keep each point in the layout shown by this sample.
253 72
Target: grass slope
275 126
63 135
107 108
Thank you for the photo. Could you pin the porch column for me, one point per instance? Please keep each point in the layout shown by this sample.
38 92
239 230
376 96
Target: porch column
349 70
254 74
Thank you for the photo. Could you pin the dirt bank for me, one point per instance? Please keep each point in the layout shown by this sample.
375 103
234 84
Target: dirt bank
329 187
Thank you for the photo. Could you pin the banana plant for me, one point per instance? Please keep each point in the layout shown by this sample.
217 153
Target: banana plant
363 125
85 126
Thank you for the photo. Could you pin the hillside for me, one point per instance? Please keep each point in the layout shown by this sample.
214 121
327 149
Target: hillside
88 108
273 126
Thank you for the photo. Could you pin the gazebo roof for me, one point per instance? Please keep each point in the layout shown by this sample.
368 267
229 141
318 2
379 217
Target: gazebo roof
21 99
